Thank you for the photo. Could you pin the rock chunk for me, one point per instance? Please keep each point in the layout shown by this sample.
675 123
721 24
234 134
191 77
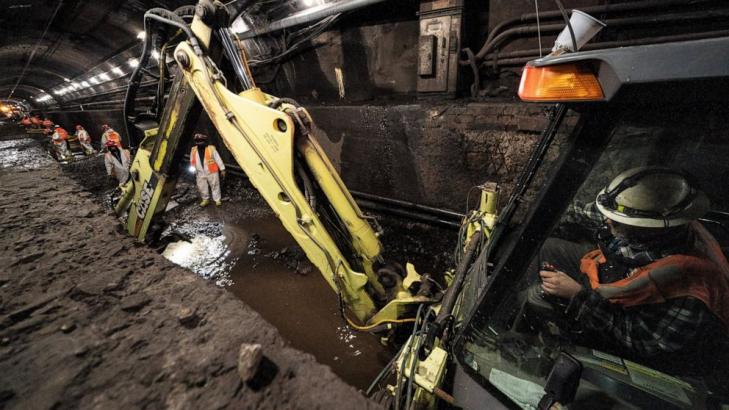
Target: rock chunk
249 358
135 302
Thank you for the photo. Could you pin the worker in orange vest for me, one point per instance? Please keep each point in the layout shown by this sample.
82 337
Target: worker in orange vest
48 126
59 138
117 161
110 135
208 167
658 283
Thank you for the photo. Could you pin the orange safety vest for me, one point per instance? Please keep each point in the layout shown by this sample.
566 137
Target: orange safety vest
62 136
209 160
114 136
703 275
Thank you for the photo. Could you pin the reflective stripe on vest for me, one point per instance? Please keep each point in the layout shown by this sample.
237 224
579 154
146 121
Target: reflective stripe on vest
701 276
209 160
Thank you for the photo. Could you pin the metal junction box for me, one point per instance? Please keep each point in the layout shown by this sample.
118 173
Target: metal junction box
440 41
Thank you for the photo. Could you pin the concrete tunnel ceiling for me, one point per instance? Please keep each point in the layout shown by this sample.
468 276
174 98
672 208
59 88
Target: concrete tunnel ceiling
69 41
81 34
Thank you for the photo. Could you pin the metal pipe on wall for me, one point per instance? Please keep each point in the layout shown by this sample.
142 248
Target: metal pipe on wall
620 22
309 15
604 9
521 57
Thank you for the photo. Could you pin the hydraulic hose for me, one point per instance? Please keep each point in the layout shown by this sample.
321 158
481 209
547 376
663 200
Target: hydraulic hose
162 16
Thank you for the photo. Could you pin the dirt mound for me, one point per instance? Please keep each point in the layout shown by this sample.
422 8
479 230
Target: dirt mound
89 318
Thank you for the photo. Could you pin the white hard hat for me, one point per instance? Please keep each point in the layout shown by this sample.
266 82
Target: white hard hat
652 197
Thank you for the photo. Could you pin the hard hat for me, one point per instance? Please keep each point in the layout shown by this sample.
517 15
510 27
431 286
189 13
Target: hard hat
652 197
56 126
110 144
79 127
105 127
200 137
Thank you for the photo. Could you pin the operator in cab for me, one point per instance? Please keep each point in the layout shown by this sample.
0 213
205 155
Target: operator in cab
208 168
657 286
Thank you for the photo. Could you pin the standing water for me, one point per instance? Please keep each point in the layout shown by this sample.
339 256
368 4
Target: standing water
257 260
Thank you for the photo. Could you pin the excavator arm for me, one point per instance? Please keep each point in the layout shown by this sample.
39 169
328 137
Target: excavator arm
271 140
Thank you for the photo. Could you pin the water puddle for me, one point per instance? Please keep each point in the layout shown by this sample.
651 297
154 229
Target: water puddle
23 153
256 259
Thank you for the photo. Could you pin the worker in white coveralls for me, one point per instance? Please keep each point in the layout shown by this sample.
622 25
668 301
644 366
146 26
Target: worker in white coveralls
59 138
208 167
117 162
84 139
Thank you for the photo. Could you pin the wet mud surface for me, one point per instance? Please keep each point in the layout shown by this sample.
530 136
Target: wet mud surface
91 319
243 248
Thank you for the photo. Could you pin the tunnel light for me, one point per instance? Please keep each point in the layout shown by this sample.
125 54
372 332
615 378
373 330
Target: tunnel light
141 35
133 62
104 77
566 82
66 79
75 85
117 71
155 54
94 80
58 92
85 84
239 26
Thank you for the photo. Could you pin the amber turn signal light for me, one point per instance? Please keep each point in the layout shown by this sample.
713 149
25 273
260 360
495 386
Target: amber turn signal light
559 83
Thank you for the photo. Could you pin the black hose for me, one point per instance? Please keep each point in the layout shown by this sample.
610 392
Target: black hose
567 22
162 16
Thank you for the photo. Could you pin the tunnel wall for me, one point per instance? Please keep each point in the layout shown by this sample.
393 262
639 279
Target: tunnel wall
431 153
92 121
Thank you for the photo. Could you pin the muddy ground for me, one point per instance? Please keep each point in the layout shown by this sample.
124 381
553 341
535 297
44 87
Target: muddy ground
91 319
243 248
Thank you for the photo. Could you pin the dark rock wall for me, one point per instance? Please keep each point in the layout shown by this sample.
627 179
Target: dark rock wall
429 153
92 121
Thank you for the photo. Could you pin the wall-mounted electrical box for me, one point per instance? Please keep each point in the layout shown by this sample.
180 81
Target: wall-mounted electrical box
441 24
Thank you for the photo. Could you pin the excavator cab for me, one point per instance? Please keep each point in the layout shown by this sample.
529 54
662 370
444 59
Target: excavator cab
653 105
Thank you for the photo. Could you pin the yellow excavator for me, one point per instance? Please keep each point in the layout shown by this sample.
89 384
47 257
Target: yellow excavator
501 346
271 140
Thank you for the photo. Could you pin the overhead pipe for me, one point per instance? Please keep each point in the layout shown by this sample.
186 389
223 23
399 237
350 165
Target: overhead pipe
309 15
605 9
552 28
521 57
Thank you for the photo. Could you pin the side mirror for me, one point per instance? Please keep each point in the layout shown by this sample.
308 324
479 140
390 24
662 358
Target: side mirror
562 382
